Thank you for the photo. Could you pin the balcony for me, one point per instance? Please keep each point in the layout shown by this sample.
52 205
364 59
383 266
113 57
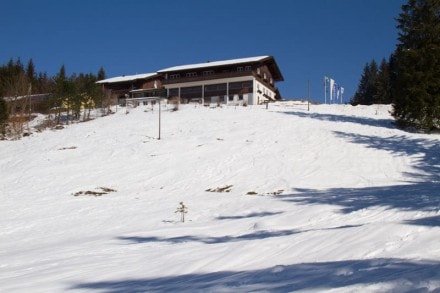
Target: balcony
201 77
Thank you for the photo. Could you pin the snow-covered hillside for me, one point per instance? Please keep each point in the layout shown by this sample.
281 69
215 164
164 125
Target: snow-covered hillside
335 199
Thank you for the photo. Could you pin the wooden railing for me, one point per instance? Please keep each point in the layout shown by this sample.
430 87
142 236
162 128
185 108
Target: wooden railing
221 75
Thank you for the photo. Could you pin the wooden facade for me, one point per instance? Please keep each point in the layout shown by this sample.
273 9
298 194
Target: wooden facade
140 85
237 81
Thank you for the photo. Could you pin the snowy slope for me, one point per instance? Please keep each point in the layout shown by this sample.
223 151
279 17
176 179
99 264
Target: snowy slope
344 202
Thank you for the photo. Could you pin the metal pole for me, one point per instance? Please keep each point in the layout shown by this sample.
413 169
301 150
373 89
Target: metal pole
159 119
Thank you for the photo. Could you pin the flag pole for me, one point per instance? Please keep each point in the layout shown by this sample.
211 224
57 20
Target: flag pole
325 89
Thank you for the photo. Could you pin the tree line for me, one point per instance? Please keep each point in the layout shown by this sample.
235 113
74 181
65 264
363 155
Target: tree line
63 98
410 79
375 84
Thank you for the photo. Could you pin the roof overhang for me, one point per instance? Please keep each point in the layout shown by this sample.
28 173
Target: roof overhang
213 64
128 78
269 61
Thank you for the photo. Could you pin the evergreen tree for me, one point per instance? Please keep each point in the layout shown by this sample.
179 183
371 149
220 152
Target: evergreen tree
31 75
14 68
360 95
392 69
382 86
43 83
98 91
371 92
101 74
60 92
417 87
367 85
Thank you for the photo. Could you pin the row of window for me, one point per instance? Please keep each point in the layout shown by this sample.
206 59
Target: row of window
264 76
230 98
265 90
246 68
211 88
215 87
208 72
240 85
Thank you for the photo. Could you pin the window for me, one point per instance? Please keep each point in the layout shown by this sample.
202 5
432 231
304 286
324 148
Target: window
215 87
258 71
230 98
191 90
240 68
271 80
264 76
174 76
248 68
173 92
240 85
208 72
191 74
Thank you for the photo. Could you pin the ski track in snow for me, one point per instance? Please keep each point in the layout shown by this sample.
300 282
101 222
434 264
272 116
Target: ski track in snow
343 202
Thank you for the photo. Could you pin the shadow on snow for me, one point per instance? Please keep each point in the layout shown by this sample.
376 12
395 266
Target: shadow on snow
418 196
385 123
257 235
251 215
210 239
421 193
394 274
428 221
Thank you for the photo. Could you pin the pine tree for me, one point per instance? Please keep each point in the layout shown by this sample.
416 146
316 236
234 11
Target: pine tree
371 91
367 90
101 73
360 95
417 87
382 86
30 73
392 69
60 92
182 210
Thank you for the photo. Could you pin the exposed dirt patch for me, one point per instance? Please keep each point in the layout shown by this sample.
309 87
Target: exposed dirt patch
97 192
67 148
251 193
226 188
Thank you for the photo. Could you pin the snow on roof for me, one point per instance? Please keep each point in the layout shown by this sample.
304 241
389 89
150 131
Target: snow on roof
127 78
215 63
34 96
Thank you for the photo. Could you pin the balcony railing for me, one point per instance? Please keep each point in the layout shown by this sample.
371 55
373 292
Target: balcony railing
221 75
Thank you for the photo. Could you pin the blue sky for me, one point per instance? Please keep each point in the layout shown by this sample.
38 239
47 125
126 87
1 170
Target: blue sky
308 38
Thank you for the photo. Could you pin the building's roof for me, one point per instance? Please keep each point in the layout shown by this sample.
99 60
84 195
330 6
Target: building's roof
126 78
214 64
269 60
